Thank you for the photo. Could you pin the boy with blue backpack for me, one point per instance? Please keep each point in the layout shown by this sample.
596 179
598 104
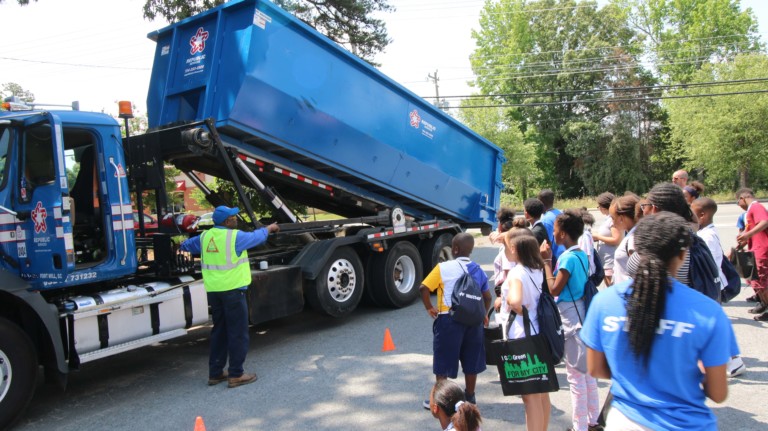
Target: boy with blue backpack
705 209
455 342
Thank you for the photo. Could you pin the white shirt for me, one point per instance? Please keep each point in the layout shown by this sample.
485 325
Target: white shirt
712 239
531 280
621 256
587 245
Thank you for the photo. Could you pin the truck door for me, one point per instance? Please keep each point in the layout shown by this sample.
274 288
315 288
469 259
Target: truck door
42 203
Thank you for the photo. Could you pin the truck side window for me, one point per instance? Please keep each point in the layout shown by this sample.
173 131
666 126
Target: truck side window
5 141
39 166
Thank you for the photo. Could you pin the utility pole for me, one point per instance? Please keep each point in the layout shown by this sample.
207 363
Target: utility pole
435 79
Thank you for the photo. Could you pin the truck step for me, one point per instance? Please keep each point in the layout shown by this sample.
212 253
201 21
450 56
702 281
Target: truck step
131 345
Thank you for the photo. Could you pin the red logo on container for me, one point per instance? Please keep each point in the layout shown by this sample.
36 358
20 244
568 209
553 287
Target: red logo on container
38 217
415 119
198 41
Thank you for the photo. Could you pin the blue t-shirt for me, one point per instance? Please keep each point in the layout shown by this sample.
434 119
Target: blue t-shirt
574 261
668 393
741 222
548 220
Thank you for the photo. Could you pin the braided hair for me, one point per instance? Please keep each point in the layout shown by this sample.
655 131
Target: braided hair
669 197
658 239
450 398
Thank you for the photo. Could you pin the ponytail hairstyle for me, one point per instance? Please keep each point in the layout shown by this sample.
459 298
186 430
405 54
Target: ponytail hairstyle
658 239
505 216
669 197
570 221
450 398
625 205
527 248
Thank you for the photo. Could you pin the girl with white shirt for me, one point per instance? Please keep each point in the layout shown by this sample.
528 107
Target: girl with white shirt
623 213
522 288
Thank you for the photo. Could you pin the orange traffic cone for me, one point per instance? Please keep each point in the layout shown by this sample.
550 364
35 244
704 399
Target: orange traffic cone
388 343
199 425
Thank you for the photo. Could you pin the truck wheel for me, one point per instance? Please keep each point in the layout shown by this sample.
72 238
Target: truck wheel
436 250
339 286
18 372
396 275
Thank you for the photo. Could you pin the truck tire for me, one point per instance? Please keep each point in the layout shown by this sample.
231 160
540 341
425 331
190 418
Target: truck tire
18 372
339 286
436 250
396 275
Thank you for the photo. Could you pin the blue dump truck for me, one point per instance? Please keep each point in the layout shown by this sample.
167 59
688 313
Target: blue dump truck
247 93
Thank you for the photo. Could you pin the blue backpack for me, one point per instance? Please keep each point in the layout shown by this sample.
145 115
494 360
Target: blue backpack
467 305
704 273
733 286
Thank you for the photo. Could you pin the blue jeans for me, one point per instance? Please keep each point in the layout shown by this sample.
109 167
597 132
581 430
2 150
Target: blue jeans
229 336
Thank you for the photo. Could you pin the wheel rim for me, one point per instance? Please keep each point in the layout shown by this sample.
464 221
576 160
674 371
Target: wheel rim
404 274
5 374
341 280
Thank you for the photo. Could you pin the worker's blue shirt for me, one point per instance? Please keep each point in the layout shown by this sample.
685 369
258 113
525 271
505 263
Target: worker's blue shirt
548 220
243 241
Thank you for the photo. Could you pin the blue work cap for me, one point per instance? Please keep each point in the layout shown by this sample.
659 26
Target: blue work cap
220 214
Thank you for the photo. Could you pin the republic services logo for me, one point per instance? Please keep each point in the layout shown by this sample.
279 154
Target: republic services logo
415 119
198 41
38 217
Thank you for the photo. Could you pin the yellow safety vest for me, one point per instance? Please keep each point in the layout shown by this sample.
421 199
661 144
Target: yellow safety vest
222 268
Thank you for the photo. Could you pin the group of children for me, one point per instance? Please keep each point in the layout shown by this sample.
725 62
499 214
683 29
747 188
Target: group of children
631 328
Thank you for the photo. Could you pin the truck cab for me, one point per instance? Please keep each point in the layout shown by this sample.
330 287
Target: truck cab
65 211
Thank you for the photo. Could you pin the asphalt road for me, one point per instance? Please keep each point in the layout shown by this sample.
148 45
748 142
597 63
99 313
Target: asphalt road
317 373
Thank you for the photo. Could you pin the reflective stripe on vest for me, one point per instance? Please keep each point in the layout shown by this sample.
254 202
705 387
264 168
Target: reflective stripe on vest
222 268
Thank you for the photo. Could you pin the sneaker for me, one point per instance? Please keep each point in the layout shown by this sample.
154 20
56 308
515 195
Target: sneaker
758 309
426 405
216 380
736 367
470 398
242 380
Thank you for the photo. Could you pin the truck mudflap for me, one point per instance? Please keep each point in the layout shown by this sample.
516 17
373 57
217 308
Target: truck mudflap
133 316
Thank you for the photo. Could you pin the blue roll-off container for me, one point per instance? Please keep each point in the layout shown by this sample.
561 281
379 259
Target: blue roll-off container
283 92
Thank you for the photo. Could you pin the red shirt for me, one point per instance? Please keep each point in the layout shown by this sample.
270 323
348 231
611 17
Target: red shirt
759 242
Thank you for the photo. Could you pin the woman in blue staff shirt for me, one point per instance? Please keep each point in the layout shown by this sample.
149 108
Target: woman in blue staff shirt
664 346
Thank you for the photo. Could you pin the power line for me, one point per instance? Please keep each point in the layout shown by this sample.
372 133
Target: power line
650 88
95 66
610 100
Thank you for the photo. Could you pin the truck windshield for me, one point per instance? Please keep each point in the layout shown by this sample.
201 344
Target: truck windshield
5 139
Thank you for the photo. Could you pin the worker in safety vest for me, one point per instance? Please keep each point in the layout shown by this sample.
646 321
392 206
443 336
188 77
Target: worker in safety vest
227 274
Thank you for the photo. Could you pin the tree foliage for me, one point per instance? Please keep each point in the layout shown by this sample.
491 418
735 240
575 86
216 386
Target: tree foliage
684 35
347 22
13 89
562 55
725 136
493 124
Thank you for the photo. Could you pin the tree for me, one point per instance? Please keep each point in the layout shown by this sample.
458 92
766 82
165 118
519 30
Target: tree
347 22
684 35
554 59
520 169
13 89
725 136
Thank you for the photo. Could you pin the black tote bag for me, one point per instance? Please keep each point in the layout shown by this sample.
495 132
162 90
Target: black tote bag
525 364
744 262
490 334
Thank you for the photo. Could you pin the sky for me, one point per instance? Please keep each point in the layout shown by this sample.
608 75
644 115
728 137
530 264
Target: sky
97 52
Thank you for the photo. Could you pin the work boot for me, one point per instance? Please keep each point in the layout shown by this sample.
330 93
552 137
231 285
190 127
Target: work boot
216 380
242 380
